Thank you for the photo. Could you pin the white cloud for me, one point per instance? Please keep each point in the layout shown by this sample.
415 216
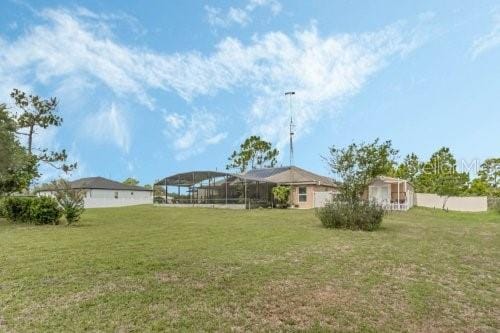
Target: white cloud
82 170
13 25
489 41
109 125
46 139
274 5
190 135
71 90
242 16
238 15
175 120
68 45
323 70
130 166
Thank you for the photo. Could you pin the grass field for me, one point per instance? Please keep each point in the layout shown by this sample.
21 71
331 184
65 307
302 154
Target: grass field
145 268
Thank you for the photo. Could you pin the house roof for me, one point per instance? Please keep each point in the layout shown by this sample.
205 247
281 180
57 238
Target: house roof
100 183
290 175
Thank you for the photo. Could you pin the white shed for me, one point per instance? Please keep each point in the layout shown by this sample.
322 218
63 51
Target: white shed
102 192
391 193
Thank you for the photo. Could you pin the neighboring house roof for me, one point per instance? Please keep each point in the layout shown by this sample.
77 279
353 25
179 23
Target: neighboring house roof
291 175
100 183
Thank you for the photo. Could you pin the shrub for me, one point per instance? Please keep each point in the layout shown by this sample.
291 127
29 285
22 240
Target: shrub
71 200
496 205
45 210
159 200
2 211
39 210
281 194
353 215
17 209
72 212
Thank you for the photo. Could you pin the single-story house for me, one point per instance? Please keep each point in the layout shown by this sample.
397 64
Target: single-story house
102 192
249 189
308 190
391 193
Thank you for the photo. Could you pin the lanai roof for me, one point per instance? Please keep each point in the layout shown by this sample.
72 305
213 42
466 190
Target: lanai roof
282 175
191 178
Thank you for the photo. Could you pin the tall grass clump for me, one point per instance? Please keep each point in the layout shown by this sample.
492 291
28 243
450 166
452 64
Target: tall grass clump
70 200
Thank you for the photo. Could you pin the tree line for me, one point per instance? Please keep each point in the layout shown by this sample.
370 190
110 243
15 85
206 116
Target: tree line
357 164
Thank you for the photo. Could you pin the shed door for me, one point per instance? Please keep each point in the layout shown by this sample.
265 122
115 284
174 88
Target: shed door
379 194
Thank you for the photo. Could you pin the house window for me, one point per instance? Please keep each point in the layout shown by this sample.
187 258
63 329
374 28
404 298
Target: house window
116 195
302 194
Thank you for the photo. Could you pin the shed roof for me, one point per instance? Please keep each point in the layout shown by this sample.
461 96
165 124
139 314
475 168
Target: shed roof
390 180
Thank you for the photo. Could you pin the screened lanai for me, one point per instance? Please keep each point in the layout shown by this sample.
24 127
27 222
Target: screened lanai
215 189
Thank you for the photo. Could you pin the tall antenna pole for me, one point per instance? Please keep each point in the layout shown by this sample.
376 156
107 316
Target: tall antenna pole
289 94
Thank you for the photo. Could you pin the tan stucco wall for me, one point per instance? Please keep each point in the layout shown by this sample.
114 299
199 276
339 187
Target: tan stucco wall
294 197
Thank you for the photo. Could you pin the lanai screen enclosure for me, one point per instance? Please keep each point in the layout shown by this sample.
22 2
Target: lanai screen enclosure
213 189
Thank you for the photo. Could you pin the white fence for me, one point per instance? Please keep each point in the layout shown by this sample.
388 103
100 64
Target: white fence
463 204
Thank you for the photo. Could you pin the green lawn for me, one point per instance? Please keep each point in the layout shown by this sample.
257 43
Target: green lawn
146 268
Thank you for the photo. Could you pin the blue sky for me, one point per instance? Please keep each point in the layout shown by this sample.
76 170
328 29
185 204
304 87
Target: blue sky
148 89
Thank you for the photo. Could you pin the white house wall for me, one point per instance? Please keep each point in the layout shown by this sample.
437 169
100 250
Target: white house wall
110 194
106 198
113 198
111 202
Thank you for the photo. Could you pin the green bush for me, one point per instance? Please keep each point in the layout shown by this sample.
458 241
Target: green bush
159 200
353 215
45 210
496 205
72 212
281 194
38 210
17 209
2 211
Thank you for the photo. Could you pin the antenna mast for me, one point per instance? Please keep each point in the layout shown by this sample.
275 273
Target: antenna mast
289 94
